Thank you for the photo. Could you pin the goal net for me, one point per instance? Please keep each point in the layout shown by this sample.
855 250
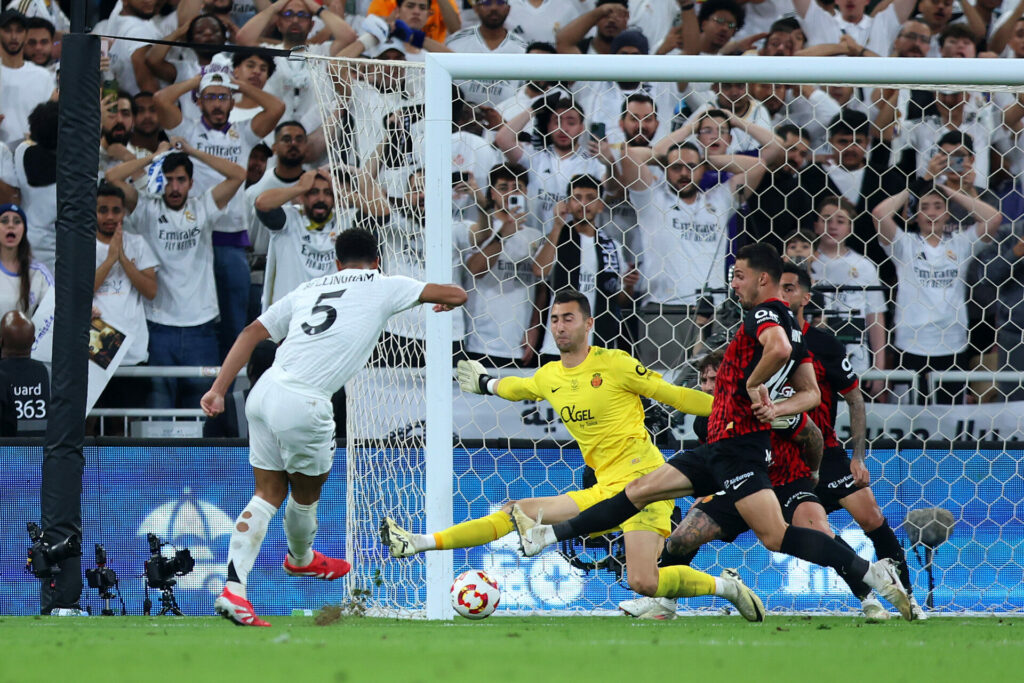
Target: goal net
904 202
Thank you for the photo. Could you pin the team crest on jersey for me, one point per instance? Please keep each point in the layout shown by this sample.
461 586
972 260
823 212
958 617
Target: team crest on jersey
950 255
189 216
596 380
232 133
575 385
853 272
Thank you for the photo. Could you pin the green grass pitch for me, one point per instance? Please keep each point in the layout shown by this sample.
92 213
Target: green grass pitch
607 649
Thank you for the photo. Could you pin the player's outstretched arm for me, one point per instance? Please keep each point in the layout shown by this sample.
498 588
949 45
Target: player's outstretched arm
213 401
689 401
444 297
473 378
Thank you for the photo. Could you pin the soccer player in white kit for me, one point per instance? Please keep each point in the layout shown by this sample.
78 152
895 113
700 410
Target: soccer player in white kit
291 421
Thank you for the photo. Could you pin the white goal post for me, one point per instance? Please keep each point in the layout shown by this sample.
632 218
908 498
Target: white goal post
439 72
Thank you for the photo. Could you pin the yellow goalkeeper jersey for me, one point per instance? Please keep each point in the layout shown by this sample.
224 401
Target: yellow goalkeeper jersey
599 402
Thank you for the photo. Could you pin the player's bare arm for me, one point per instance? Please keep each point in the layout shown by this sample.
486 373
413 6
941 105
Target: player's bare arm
213 402
858 432
812 446
444 297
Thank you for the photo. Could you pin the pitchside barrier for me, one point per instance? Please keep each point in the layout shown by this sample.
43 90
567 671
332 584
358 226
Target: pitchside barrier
189 494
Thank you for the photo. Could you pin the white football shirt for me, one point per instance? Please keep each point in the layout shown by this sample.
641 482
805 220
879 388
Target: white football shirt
684 245
490 93
298 253
183 243
549 181
331 325
502 301
120 304
40 205
931 297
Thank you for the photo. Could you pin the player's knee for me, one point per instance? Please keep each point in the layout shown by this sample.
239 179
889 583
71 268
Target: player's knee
644 583
771 538
871 518
639 493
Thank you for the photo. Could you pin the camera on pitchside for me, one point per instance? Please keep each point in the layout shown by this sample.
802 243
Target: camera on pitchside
160 572
44 559
103 578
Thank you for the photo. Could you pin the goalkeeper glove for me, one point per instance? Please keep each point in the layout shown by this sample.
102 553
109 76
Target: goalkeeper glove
472 376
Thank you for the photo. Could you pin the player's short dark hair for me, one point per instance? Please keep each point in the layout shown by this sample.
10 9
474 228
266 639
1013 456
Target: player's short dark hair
242 55
641 97
850 122
105 189
710 360
176 160
958 138
803 278
957 31
39 22
789 129
568 295
763 258
286 124
356 245
709 7
584 181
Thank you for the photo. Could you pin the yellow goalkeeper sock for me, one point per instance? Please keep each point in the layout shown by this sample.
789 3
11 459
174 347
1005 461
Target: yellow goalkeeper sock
680 581
475 532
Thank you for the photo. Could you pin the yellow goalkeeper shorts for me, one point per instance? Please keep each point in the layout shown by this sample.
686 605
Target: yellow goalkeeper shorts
656 517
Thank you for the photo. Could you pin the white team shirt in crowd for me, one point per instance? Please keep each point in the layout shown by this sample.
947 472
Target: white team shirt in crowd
121 51
403 252
931 294
292 83
120 304
297 253
39 282
183 243
549 181
490 93
540 24
21 91
46 9
232 142
850 269
331 325
259 235
811 114
684 245
499 310
761 15
848 181
875 33
587 286
40 206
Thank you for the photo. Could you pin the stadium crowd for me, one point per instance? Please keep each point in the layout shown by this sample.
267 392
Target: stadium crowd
218 196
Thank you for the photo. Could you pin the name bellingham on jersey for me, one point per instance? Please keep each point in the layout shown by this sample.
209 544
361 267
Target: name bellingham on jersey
733 414
599 402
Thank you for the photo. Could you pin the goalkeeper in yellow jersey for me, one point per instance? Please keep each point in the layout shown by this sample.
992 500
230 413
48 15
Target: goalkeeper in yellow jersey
596 392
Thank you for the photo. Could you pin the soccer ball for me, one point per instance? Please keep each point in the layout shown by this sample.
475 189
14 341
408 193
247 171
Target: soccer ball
475 595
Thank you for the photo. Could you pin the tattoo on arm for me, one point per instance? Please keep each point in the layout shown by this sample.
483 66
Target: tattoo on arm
696 529
812 445
858 422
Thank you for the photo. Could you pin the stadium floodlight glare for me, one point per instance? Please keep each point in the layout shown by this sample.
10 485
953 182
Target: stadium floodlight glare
434 79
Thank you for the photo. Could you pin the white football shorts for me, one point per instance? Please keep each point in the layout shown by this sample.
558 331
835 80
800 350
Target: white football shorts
291 425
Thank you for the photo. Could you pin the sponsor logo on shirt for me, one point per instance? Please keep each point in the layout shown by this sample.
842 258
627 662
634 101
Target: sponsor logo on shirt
736 482
570 413
762 315
179 240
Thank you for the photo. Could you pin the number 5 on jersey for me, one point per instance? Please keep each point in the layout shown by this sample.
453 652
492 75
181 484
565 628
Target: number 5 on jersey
329 312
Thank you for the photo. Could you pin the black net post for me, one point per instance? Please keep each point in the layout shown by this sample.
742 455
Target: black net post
77 163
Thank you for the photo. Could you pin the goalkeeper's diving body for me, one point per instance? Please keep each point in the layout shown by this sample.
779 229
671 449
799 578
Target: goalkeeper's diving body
767 352
596 392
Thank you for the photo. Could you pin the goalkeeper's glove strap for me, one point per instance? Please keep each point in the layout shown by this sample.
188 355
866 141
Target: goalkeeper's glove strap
488 385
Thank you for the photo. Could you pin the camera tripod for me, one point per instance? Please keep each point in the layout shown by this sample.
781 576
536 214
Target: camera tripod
168 603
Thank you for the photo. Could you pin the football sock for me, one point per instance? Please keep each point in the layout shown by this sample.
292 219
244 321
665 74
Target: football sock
246 539
887 545
817 547
669 559
859 589
300 527
684 582
474 532
607 514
